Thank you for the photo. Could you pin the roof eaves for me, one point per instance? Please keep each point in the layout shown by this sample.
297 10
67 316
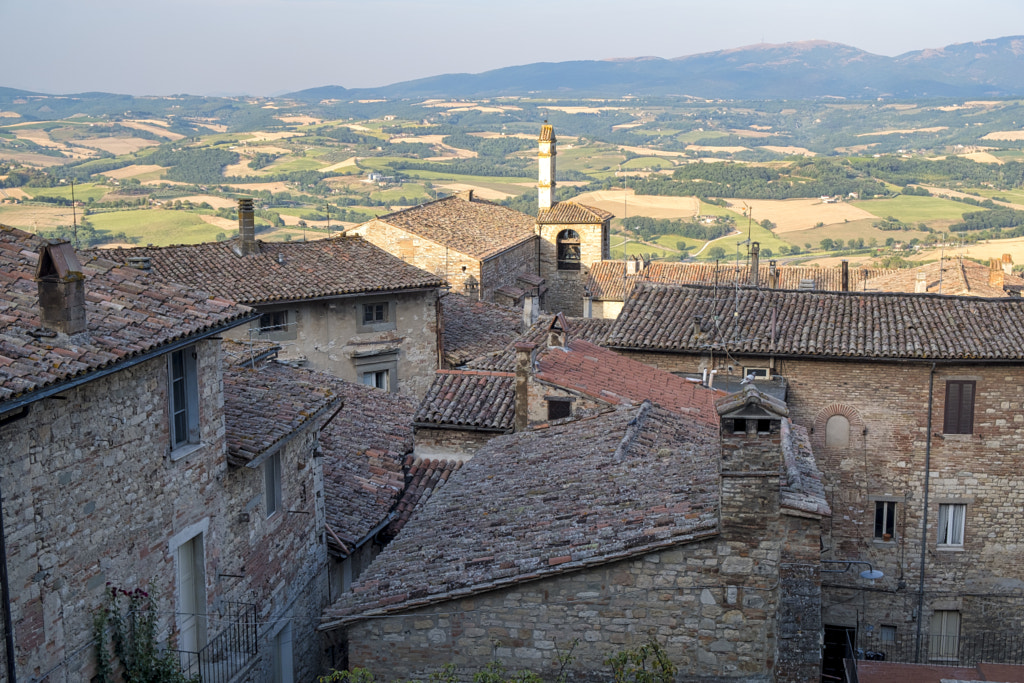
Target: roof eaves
23 399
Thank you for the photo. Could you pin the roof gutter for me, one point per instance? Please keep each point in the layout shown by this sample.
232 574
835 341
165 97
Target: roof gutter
61 387
854 359
329 297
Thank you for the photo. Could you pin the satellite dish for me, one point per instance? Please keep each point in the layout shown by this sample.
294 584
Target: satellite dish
871 574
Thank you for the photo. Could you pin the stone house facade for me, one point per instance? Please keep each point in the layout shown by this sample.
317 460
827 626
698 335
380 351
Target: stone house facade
534 575
122 466
914 405
338 305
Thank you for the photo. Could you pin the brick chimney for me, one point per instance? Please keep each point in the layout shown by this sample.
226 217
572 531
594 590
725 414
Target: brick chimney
773 274
546 160
466 195
996 275
524 367
845 265
558 331
61 287
755 263
1007 264
247 228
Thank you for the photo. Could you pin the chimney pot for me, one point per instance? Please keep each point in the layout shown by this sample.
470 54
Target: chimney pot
61 288
921 284
846 275
773 274
996 276
1007 264
755 263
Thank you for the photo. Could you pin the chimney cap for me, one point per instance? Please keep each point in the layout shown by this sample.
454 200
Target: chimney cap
524 346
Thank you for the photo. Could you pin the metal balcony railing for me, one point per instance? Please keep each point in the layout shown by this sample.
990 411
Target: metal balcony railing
226 653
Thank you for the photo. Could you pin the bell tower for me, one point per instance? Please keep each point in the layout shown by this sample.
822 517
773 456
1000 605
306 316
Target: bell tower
546 156
572 236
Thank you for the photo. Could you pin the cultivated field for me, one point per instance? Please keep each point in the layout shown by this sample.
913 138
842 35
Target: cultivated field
132 171
158 227
623 203
935 211
790 215
119 145
35 218
988 249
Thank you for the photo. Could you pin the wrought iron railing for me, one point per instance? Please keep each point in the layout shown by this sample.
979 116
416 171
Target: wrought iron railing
228 651
961 650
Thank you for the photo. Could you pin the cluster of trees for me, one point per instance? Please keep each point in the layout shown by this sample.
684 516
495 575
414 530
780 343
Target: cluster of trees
812 179
86 235
262 160
194 164
488 147
986 220
651 228
891 223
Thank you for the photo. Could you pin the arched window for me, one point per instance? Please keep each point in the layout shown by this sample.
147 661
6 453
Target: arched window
837 432
568 250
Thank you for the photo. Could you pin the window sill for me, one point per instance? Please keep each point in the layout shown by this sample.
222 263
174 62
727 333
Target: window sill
182 451
950 548
882 542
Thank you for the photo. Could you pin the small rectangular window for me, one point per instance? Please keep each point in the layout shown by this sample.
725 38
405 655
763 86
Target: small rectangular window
381 379
739 426
758 373
272 483
375 313
888 634
275 321
885 519
951 524
558 410
959 411
183 397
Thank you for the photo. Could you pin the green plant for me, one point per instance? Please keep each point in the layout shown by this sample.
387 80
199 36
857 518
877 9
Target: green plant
648 663
356 675
132 629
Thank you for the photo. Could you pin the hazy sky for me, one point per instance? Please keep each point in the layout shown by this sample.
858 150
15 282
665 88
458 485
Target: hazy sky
268 47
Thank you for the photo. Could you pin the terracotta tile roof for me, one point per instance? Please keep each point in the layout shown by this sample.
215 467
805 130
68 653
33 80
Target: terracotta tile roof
422 478
608 280
571 212
878 325
128 314
265 406
473 328
364 448
524 508
476 228
248 353
589 329
951 276
608 376
893 672
469 399
282 271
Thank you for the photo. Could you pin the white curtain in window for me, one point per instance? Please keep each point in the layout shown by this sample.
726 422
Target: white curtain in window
951 524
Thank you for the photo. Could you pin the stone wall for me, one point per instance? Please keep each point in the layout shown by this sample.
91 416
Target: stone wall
279 563
91 497
329 337
886 408
504 268
420 252
449 444
711 604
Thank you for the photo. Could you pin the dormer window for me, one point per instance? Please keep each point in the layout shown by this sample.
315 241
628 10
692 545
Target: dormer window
568 250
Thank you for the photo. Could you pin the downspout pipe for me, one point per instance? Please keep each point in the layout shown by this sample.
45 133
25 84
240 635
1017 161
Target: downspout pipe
5 588
924 516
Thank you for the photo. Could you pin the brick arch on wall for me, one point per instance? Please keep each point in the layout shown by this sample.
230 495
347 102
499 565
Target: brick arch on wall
852 416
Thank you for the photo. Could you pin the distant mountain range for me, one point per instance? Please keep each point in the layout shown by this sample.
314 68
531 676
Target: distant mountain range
804 70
